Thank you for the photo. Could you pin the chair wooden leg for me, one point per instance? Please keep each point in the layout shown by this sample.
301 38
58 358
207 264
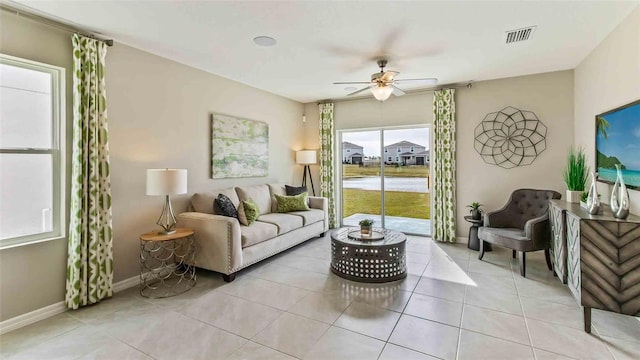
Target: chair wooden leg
481 252
523 263
228 278
547 256
587 319
513 254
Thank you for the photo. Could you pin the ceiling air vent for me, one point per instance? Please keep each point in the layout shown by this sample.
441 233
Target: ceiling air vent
519 34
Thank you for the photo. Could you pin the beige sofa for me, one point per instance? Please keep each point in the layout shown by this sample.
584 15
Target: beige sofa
226 246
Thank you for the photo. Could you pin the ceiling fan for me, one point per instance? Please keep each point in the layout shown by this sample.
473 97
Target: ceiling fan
383 84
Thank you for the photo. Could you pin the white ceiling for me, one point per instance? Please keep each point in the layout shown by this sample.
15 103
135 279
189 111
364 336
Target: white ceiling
323 42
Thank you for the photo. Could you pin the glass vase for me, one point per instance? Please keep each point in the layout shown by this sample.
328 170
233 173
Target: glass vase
593 201
620 197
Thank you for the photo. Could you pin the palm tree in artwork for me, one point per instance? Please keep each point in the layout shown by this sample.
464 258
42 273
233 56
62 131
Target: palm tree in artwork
602 127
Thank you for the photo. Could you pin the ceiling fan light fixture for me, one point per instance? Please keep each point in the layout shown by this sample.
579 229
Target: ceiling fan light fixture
381 92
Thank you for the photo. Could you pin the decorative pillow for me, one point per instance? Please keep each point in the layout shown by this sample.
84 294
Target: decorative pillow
292 190
225 206
251 211
292 203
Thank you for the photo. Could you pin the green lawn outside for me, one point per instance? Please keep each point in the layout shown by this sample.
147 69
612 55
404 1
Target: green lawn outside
397 203
351 171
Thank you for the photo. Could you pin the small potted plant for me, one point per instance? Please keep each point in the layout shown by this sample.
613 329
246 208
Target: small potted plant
575 174
365 226
476 212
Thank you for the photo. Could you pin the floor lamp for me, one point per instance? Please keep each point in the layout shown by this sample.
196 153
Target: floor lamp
306 158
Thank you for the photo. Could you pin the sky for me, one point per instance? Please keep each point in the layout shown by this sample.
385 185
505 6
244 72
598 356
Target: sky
370 140
624 137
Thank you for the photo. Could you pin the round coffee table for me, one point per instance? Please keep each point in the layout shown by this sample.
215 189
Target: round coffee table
372 261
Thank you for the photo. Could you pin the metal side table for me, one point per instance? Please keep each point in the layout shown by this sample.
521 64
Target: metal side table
167 263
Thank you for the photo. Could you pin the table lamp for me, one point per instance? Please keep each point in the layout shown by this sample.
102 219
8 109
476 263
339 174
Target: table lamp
306 158
166 182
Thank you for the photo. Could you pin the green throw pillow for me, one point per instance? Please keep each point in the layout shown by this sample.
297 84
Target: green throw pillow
250 210
292 203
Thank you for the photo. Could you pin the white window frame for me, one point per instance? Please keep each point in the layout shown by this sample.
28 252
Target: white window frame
57 150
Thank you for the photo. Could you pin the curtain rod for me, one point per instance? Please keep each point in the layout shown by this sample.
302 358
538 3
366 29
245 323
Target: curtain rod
410 92
52 23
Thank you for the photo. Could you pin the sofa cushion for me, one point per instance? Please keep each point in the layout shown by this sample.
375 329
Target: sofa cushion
250 212
257 233
273 190
292 203
260 195
284 222
225 206
295 190
203 202
309 217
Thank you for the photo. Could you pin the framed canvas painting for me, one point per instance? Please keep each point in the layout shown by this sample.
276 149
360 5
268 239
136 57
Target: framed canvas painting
618 142
239 147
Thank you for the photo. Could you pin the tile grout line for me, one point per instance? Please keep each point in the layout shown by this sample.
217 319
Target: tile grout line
524 315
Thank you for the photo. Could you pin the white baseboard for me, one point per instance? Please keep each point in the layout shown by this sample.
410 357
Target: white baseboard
54 309
126 283
32 317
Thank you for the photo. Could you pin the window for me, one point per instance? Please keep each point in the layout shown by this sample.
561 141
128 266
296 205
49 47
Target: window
389 158
412 149
348 150
385 150
31 151
399 150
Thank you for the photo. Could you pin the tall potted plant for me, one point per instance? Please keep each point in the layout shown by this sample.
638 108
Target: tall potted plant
575 174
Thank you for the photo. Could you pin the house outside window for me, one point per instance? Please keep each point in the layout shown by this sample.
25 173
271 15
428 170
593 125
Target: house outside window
399 150
32 152
348 150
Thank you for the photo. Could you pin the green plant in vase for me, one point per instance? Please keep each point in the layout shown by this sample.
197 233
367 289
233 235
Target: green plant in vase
575 174
365 226
476 211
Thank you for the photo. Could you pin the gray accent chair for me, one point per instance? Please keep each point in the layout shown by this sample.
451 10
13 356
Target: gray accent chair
521 225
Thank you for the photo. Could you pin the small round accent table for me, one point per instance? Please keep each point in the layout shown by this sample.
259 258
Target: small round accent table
371 261
166 263
474 242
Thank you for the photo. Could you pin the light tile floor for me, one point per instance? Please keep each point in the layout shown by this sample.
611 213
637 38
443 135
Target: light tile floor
450 306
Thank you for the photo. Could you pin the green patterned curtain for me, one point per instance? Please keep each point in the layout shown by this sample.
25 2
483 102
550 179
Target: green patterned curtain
326 160
90 257
444 166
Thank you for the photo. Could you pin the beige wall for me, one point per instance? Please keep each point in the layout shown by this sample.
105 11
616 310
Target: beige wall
159 116
549 95
33 276
607 78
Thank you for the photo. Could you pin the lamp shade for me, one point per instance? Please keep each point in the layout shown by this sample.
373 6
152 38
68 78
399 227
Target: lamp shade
306 157
166 181
381 93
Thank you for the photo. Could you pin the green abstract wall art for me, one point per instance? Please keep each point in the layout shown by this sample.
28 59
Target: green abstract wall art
239 147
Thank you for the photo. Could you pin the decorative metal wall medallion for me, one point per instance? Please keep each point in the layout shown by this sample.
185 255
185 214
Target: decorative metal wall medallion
510 138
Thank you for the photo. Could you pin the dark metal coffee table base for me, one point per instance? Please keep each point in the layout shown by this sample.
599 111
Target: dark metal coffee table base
369 261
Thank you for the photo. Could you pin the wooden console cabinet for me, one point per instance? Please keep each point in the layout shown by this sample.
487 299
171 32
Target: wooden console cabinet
598 256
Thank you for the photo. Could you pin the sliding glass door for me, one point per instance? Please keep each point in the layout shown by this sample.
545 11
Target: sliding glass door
385 177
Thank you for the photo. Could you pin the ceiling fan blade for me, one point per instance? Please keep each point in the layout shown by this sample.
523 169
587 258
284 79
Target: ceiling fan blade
397 91
388 76
425 81
351 82
359 91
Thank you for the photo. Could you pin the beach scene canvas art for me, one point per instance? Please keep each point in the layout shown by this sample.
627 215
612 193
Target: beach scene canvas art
618 142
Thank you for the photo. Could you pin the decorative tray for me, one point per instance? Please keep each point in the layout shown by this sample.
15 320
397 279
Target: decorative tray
373 235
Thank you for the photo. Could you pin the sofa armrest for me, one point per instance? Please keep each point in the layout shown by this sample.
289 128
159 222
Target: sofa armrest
537 229
322 203
218 244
